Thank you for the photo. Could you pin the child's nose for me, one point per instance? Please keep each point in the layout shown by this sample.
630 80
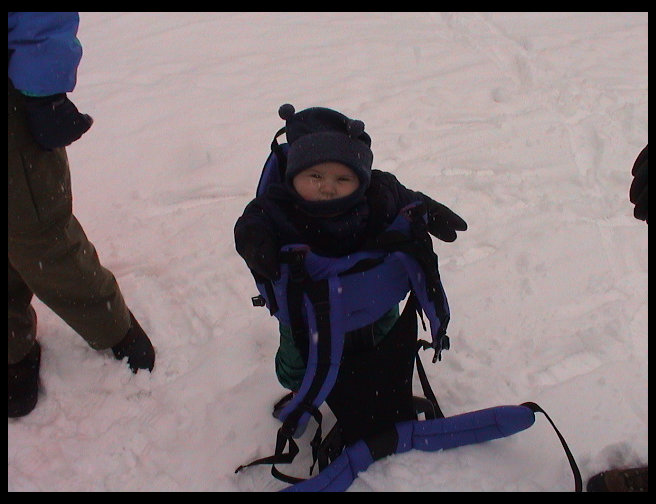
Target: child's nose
327 187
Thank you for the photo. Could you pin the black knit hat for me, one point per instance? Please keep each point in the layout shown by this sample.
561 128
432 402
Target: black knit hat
316 135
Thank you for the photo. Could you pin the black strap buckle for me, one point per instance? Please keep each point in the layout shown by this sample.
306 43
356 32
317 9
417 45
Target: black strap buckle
258 300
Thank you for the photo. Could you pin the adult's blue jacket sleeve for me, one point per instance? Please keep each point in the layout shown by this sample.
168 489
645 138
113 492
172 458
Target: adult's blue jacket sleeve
44 51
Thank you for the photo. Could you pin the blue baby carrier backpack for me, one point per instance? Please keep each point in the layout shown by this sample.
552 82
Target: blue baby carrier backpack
369 388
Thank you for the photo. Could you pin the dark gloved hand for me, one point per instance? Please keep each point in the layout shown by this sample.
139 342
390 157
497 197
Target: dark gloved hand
259 250
54 121
638 190
443 222
136 346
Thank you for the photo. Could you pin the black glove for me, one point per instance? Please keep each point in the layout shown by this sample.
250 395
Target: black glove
54 121
443 222
638 190
136 346
259 250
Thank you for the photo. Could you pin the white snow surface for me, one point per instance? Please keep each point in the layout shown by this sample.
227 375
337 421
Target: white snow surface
526 124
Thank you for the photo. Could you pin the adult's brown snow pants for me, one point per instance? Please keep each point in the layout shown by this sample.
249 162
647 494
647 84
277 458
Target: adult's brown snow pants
49 255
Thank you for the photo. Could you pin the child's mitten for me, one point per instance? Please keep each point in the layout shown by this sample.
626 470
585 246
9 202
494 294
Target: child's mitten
443 222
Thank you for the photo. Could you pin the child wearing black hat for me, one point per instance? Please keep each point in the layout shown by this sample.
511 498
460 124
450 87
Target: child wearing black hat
333 201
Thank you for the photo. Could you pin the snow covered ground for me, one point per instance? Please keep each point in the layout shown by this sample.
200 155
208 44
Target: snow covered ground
526 124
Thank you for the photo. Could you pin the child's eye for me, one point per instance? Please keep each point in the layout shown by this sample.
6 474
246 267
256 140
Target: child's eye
315 175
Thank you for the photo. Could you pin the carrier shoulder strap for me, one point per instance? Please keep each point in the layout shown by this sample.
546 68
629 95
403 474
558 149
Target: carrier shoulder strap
323 357
416 244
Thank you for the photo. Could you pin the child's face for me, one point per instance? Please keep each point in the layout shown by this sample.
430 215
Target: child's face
326 181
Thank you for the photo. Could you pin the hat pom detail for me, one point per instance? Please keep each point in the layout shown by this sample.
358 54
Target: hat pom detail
355 128
286 111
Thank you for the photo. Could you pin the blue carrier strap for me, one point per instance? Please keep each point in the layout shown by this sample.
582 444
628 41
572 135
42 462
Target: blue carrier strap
430 435
407 234
437 322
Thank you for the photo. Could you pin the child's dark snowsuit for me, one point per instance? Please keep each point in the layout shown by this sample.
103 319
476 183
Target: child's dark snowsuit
337 228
